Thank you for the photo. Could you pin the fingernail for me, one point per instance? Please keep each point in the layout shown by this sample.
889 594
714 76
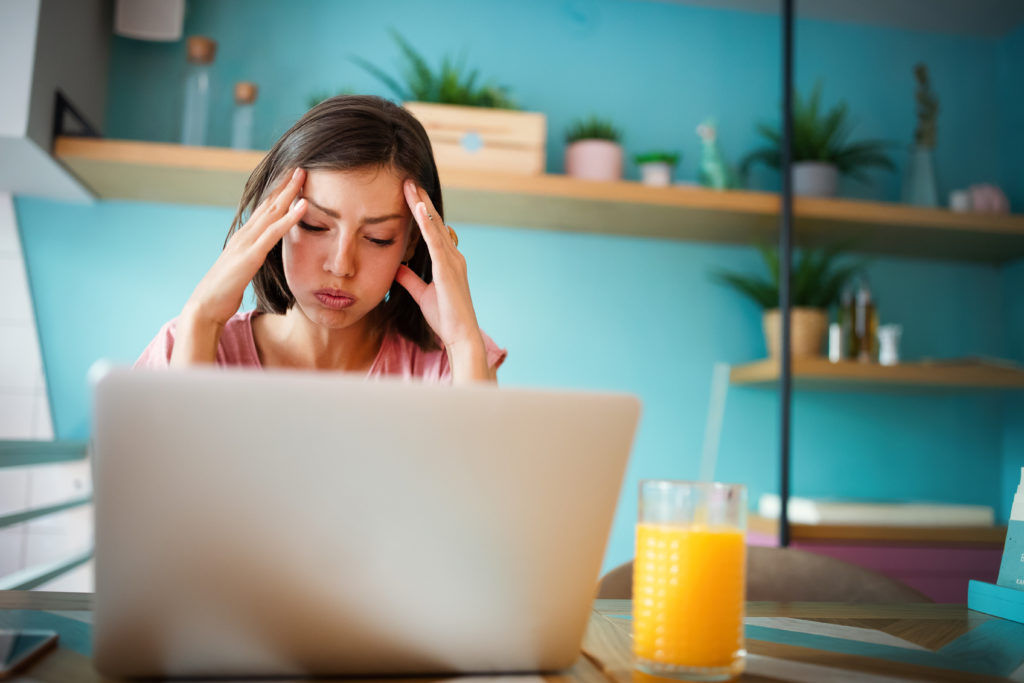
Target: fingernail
296 173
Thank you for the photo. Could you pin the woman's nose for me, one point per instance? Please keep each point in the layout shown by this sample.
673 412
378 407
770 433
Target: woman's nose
341 259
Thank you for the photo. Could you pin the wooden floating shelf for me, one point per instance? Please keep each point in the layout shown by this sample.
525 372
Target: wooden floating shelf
819 373
861 533
160 172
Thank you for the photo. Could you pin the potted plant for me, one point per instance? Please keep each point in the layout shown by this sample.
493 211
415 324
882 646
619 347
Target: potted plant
821 149
470 124
593 150
817 281
656 167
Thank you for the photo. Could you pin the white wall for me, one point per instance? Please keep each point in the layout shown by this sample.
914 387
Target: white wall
46 46
19 20
72 54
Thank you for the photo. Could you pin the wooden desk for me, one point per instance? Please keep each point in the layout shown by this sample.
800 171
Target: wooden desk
786 641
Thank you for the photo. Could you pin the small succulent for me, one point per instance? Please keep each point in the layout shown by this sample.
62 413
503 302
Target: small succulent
670 158
592 128
450 85
817 278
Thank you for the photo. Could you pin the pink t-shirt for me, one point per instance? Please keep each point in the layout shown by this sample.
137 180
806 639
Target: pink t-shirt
397 357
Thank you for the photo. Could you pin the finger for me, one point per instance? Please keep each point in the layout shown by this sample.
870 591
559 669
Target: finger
279 202
424 213
445 232
412 283
276 230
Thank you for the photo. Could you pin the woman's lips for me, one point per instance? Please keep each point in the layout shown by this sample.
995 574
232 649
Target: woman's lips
334 298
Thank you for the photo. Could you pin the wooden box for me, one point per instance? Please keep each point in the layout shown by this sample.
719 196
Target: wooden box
484 139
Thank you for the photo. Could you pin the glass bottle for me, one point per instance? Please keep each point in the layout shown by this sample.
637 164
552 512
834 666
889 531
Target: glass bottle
865 323
242 119
846 314
201 51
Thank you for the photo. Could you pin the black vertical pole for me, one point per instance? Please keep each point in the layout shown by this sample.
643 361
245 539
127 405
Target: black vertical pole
785 267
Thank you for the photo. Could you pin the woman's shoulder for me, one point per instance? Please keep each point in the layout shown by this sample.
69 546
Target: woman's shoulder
400 356
237 345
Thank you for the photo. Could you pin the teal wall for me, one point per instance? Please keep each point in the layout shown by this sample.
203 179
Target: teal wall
629 314
1011 111
1013 410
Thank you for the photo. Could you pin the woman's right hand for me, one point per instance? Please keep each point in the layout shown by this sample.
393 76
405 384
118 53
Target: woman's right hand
218 295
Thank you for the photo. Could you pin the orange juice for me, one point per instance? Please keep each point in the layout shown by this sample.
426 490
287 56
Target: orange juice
688 591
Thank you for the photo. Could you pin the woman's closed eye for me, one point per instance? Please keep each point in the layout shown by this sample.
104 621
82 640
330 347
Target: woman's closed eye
373 240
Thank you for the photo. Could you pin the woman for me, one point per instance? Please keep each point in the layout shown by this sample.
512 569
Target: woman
341 233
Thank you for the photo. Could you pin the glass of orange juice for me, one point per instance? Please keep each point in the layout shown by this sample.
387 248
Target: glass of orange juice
689 580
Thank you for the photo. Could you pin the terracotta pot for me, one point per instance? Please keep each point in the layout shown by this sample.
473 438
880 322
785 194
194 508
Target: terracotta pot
815 179
594 160
807 331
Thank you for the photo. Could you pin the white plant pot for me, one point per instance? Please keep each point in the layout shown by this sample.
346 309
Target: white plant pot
594 160
815 179
656 173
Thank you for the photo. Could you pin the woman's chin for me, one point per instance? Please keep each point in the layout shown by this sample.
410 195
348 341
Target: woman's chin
330 318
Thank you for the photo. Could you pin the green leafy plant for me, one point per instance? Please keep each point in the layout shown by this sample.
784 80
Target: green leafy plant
669 158
592 128
452 84
821 136
817 278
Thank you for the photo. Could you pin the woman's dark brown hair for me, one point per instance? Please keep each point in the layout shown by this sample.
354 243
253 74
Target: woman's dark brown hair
340 134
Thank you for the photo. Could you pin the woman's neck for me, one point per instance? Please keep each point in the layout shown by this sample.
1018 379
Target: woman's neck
293 340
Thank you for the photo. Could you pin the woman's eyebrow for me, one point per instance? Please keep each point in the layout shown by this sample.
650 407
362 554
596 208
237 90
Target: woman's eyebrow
370 220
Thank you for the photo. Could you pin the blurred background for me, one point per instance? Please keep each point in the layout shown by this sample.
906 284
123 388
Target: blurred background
616 303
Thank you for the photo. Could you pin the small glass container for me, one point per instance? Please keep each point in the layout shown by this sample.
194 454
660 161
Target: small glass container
889 344
196 114
242 119
836 343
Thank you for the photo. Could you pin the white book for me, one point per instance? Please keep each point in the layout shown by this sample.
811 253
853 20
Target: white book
832 511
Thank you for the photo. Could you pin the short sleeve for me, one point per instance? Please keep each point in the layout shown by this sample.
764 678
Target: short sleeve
157 355
236 346
495 357
495 354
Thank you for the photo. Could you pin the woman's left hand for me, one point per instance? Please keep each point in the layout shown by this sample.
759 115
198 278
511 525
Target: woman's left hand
445 302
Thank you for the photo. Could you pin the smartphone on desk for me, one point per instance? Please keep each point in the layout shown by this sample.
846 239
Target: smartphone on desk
21 647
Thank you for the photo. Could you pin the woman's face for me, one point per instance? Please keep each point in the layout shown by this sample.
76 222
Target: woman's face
342 257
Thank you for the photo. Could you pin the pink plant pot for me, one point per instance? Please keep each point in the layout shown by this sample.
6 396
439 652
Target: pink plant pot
594 160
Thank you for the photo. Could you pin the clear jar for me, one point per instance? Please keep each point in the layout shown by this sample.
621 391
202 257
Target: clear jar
242 118
196 113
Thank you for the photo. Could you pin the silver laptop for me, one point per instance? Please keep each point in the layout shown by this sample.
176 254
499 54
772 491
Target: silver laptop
279 523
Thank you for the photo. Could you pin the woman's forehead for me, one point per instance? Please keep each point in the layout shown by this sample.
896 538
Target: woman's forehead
371 189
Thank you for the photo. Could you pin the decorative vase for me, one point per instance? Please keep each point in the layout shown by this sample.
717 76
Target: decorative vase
656 173
815 179
919 187
594 160
807 330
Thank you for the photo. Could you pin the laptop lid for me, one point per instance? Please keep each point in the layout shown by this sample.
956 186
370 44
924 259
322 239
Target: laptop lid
297 523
